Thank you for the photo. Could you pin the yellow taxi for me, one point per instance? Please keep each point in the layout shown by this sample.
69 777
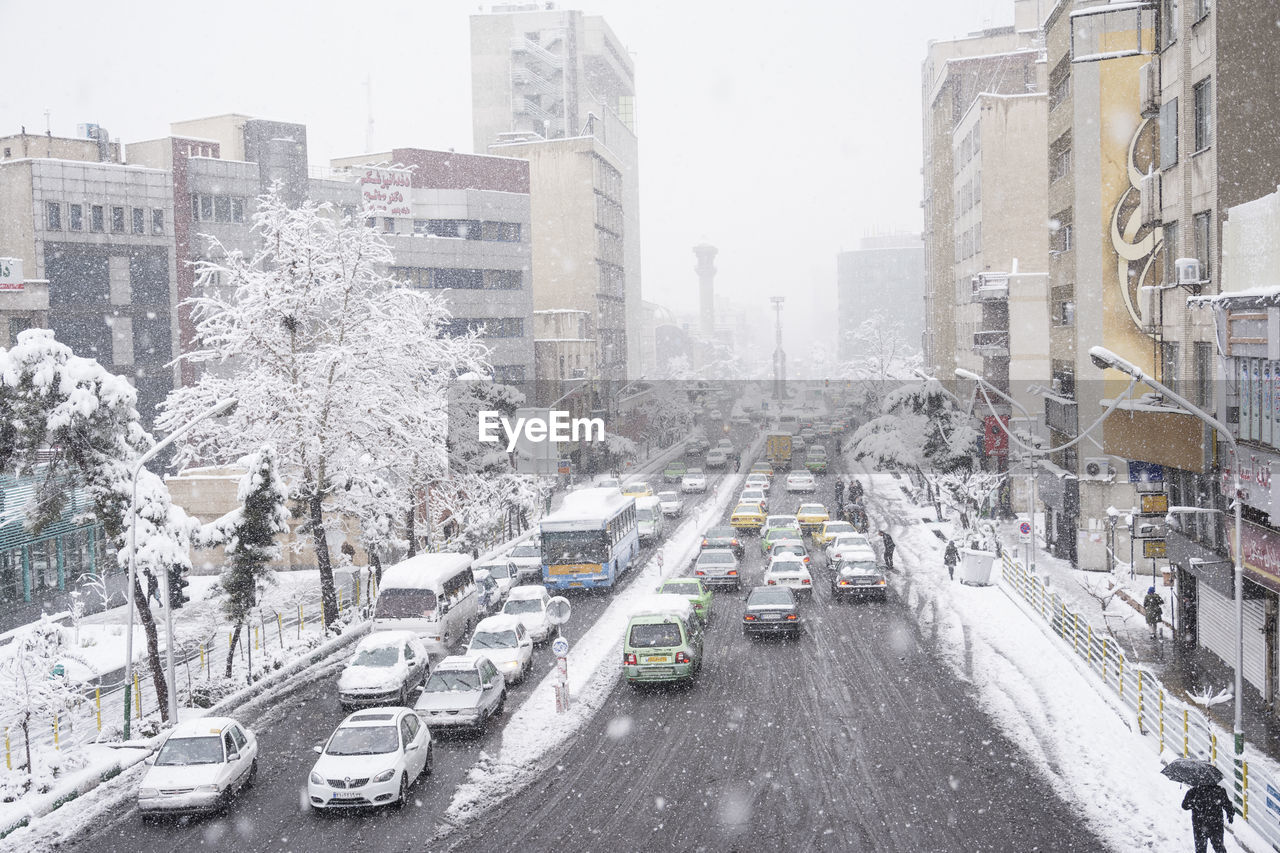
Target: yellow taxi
762 468
638 489
830 530
747 516
812 517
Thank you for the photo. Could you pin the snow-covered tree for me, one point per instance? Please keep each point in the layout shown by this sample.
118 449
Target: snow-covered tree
331 359
881 356
33 679
248 536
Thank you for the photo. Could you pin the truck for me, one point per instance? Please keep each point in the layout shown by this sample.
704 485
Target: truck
777 449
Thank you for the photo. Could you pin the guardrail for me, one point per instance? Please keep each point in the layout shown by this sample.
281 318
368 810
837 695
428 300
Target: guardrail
1178 728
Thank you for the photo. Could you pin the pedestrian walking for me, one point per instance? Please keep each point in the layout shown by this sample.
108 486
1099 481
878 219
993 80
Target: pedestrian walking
839 492
855 489
1207 804
153 587
1153 604
888 548
951 557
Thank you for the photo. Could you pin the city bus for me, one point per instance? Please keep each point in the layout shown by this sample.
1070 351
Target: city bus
590 540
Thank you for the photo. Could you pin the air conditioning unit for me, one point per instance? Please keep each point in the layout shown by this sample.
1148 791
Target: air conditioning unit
1149 198
1097 468
1188 272
1149 89
1148 306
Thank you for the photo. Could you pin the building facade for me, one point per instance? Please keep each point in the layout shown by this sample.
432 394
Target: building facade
884 274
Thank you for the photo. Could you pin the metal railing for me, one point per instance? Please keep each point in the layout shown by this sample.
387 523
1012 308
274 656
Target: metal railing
1178 728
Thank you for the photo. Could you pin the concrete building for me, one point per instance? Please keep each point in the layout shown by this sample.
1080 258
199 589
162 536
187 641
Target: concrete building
884 274
554 74
96 236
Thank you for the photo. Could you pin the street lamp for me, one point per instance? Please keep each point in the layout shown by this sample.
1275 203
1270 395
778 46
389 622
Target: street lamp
1104 358
222 407
1027 455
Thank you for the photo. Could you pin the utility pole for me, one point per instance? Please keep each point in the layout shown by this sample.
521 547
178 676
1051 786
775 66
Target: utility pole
779 357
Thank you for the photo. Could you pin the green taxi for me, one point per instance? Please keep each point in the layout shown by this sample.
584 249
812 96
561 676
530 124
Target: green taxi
663 641
675 471
771 536
691 588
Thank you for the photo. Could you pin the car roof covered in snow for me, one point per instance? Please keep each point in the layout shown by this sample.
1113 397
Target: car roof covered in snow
201 727
526 590
384 639
463 662
662 604
498 622
424 571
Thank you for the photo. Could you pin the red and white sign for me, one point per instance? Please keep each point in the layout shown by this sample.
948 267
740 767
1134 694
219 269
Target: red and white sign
995 441
386 192
11 274
1261 553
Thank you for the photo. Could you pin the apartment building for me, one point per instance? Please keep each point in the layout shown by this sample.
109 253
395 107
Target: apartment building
885 274
539 72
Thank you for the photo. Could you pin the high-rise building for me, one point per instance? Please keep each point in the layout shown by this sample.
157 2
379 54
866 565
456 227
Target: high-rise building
541 73
885 275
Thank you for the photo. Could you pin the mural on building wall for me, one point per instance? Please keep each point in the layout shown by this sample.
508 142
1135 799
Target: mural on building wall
1138 247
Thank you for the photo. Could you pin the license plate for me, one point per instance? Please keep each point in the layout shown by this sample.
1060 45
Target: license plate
657 659
771 617
345 795
575 583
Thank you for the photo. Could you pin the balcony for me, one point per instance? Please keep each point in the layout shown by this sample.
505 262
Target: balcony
990 289
991 344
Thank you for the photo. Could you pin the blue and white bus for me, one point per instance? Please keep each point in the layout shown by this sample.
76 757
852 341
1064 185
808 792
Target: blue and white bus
590 540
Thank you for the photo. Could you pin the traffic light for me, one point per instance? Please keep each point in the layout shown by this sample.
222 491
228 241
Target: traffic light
177 587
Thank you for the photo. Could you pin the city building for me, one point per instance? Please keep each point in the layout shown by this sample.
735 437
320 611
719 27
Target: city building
884 275
542 73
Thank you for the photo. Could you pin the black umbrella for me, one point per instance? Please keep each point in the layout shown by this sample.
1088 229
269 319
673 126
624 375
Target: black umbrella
1192 771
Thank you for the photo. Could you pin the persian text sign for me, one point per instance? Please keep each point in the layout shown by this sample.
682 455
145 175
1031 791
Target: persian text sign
386 192
1261 553
1257 486
11 274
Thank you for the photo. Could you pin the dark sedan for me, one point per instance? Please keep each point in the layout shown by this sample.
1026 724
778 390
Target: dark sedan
723 537
771 610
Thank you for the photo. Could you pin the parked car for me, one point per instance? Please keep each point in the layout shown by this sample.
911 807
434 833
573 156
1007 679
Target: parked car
693 481
371 759
811 517
464 691
384 669
801 481
505 641
674 471
771 610
662 642
638 489
789 570
723 537
671 502
691 588
200 766
717 567
528 603
859 577
716 458
527 557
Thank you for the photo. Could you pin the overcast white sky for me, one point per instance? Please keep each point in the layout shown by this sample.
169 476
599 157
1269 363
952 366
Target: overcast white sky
781 133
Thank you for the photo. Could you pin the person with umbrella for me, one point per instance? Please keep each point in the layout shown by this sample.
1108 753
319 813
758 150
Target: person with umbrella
1206 801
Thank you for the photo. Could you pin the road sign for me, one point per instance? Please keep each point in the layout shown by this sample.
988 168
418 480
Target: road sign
1024 528
560 647
558 610
1153 548
1154 503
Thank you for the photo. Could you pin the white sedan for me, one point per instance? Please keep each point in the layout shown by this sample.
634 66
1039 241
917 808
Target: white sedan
801 481
694 480
385 667
201 765
789 570
465 691
671 503
527 557
371 759
755 495
506 642
529 604
846 545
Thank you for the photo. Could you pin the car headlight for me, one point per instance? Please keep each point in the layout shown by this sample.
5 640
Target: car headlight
207 789
384 776
511 664
148 793
316 778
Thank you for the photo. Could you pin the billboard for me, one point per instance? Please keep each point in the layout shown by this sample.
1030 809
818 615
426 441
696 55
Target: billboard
386 191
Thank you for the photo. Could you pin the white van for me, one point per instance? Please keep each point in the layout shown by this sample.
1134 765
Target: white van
649 518
432 595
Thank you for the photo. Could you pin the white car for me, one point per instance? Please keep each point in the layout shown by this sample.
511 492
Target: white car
529 604
755 495
671 503
801 481
506 642
371 759
694 480
202 763
384 669
607 483
717 458
527 557
503 573
790 546
464 691
789 570
846 546
783 521
756 481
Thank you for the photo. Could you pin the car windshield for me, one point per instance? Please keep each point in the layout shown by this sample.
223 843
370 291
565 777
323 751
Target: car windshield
404 603
716 558
499 571
769 596
363 740
453 681
798 550
377 656
655 635
694 472
681 588
525 551
747 509
180 751
858 567
494 640
523 605
839 527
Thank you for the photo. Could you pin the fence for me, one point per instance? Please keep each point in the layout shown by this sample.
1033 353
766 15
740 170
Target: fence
1179 729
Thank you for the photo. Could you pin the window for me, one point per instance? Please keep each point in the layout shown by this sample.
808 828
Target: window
1061 237
465 229
206 208
53 215
388 225
1200 9
1204 369
238 737
157 221
457 279
1169 231
1169 363
1168 22
97 219
221 208
1060 83
508 373
17 325
1201 224
1168 133
76 217
503 232
503 279
1060 157
117 220
237 210
139 221
1203 92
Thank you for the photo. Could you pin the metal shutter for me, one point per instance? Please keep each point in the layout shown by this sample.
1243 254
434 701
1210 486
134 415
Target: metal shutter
1216 630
